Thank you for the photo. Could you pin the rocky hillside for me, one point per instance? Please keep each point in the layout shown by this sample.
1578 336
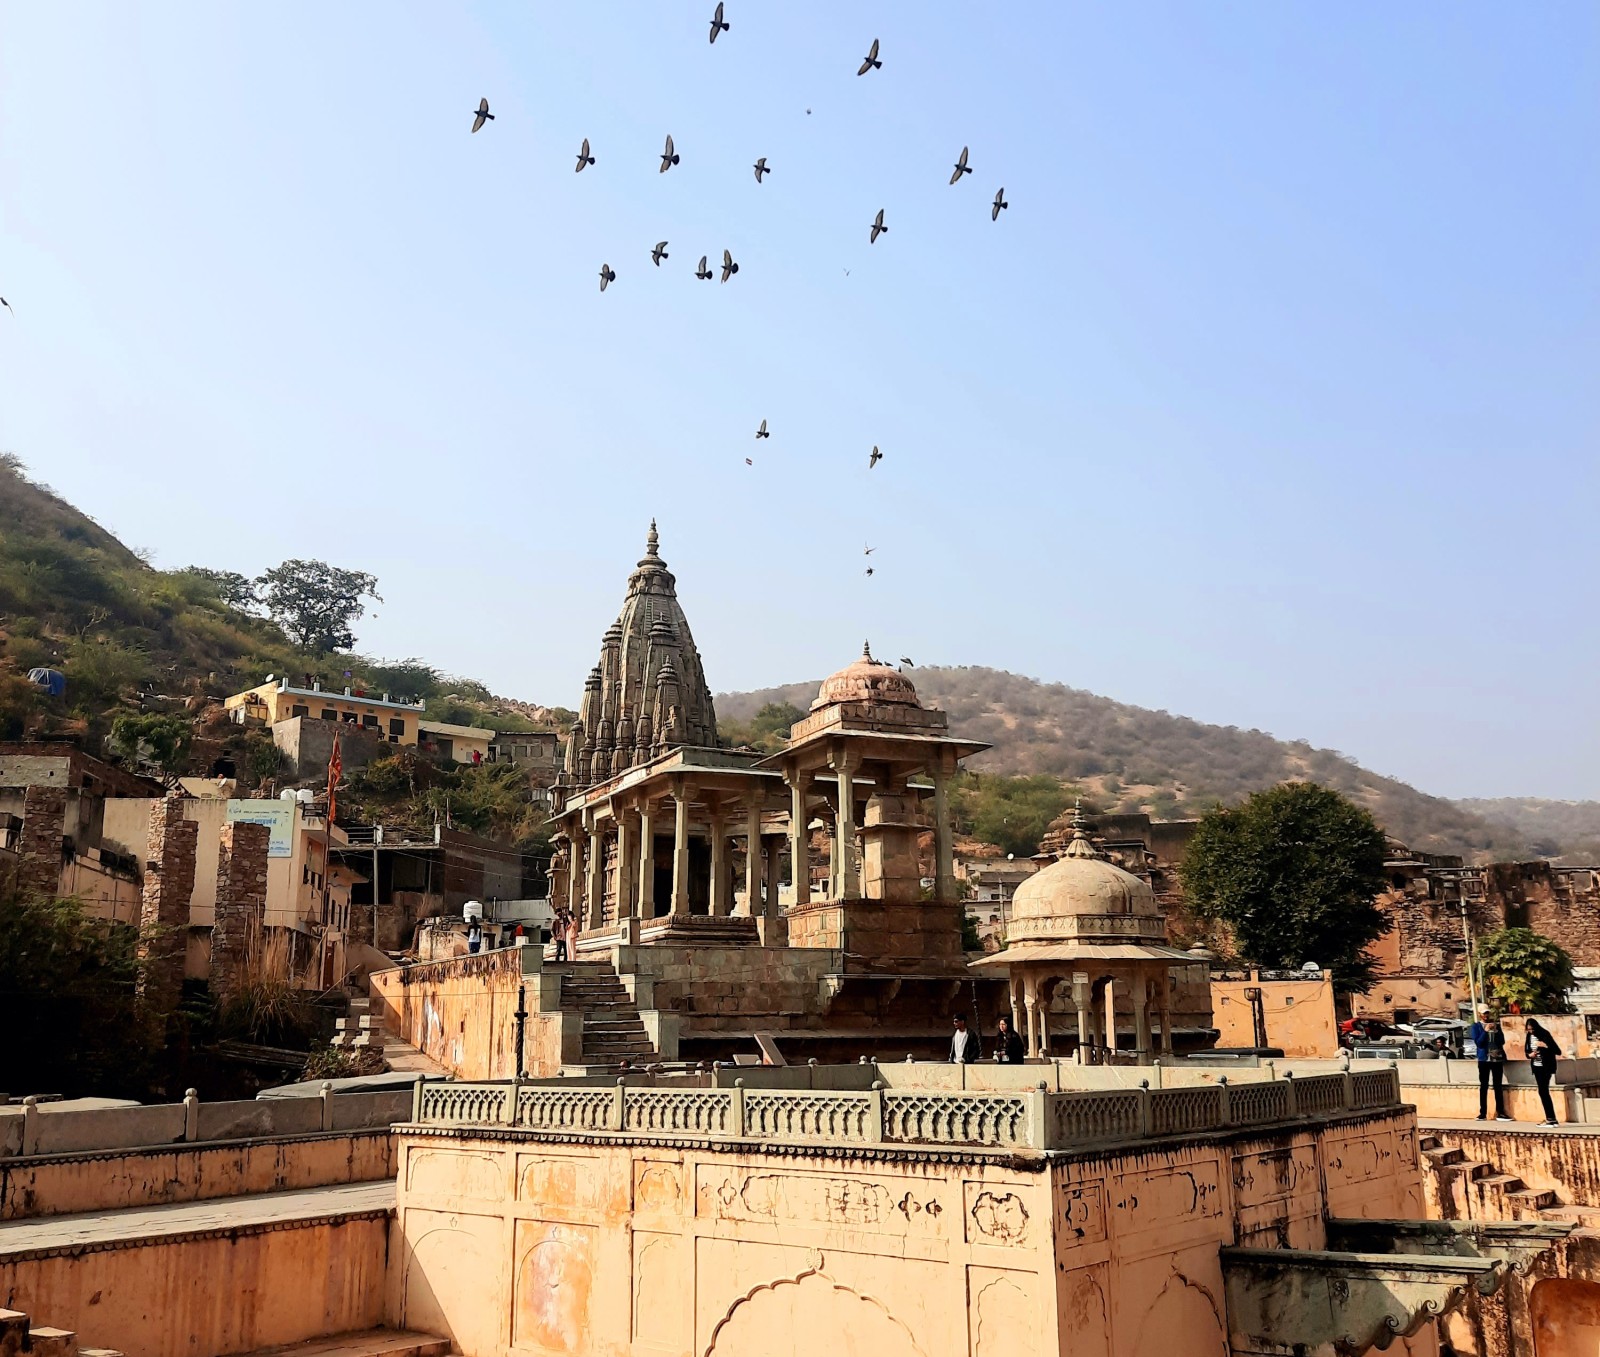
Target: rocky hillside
1569 829
1129 758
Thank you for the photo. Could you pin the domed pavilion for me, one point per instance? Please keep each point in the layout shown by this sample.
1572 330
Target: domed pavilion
1084 922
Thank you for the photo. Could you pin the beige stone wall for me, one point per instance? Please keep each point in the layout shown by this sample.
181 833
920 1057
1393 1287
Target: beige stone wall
222 1292
1300 1017
718 989
459 1012
515 1240
164 1175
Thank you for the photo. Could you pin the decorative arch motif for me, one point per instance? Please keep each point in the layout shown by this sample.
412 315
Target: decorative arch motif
807 1314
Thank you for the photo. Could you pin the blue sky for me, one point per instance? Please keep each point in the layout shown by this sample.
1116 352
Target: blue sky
1270 400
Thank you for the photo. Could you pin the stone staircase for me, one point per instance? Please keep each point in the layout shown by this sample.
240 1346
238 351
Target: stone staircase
1484 1193
20 1335
612 1028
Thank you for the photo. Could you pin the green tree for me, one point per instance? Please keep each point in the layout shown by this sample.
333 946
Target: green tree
164 740
1013 812
1294 873
316 603
767 730
236 590
74 1024
1524 971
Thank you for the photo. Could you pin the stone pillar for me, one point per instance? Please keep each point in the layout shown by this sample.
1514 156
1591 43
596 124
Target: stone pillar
1030 1001
578 877
647 860
799 842
627 864
774 851
1111 1017
1166 1011
597 878
943 836
721 895
241 904
44 814
1141 1019
1081 1001
164 909
752 859
846 885
680 854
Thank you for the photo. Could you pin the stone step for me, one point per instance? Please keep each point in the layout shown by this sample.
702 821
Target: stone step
1442 1155
1532 1199
1577 1215
365 1343
44 1341
1500 1182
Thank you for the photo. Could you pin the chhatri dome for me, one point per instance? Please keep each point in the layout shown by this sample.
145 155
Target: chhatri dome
1077 884
867 680
648 693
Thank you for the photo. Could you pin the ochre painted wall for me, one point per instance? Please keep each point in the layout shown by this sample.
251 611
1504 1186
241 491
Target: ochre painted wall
215 1294
1299 1015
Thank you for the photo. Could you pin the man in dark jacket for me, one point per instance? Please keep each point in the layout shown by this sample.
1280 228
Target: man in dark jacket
1491 1044
965 1047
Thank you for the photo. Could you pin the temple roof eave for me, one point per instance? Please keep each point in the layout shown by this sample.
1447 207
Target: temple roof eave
910 746
1088 953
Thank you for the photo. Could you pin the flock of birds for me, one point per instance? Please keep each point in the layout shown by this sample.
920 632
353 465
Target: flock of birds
670 157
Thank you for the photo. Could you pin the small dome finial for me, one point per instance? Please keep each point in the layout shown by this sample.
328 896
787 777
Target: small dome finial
652 541
1081 845
866 652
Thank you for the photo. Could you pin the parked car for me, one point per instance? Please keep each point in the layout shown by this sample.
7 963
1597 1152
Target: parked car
1352 1030
1446 1036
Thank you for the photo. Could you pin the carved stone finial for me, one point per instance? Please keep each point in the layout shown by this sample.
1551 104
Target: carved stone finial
866 652
652 541
1080 846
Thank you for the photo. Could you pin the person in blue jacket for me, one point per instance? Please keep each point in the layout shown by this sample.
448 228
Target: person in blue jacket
1491 1044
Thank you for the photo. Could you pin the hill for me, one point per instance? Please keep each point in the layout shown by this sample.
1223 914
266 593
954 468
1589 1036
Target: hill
128 637
1129 758
1553 828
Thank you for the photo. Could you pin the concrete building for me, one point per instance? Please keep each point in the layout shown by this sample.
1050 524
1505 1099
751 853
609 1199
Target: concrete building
460 744
279 700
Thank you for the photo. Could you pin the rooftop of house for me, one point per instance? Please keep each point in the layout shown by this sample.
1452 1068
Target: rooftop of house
455 732
282 685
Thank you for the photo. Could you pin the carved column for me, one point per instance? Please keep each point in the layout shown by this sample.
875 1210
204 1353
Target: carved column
845 826
1111 1017
799 840
579 877
1141 1019
752 859
1030 998
1166 1011
721 896
597 877
943 839
627 864
774 854
1081 1001
680 852
647 859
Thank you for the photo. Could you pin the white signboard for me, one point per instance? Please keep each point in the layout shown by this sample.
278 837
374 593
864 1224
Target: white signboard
277 816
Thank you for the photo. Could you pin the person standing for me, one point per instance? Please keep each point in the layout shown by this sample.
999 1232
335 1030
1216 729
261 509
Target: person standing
1491 1043
964 1044
558 931
1008 1048
1543 1053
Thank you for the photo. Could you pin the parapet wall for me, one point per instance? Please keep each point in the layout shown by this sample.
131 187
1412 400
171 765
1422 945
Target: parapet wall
117 1180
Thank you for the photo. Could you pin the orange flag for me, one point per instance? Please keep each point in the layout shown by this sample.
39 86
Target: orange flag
335 768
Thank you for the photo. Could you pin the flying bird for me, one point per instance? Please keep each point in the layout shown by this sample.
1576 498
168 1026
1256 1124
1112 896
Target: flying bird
483 115
878 228
871 63
7 305
718 25
908 662
729 268
669 157
659 253
961 167
761 168
748 461
999 202
702 273
866 550
876 457
869 570
762 431
607 276
584 158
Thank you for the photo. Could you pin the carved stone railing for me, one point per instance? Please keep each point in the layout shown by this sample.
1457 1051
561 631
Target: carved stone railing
1036 1120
